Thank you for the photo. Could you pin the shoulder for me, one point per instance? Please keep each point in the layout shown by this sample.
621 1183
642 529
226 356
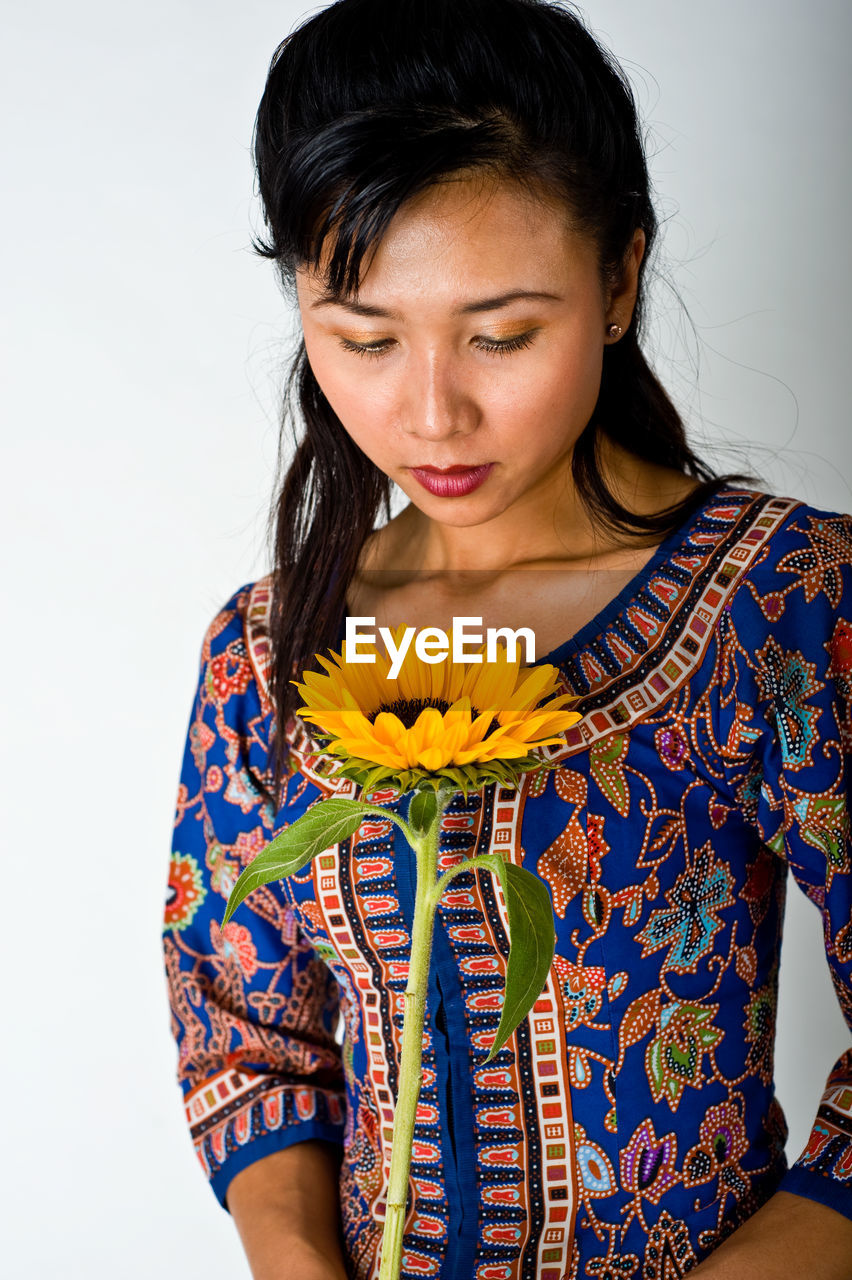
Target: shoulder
794 555
244 614
235 653
809 534
813 543
789 616
234 694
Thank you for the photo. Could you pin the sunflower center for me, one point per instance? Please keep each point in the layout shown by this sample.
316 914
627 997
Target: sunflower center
407 711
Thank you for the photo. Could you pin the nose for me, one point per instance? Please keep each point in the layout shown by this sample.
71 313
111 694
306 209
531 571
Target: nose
436 403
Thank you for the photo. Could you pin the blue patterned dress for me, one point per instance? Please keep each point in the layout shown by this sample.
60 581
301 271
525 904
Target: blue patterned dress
630 1123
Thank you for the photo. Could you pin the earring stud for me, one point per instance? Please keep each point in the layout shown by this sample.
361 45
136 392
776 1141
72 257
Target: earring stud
614 331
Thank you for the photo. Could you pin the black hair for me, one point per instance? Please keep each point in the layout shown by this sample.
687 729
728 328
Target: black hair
370 102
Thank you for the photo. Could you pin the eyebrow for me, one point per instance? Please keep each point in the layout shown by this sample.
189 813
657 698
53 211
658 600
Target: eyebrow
469 308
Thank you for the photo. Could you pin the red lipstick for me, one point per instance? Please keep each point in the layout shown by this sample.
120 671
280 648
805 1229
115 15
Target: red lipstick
451 482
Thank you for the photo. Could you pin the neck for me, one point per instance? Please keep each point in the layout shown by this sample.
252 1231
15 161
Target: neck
549 527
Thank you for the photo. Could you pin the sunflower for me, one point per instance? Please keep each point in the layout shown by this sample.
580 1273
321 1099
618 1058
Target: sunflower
471 723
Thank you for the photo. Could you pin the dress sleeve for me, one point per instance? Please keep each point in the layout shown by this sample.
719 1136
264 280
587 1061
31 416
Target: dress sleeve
254 1009
786 694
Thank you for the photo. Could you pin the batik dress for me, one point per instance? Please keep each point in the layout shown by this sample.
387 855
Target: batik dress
630 1123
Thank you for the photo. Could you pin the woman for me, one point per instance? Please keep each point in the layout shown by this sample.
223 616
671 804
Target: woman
458 195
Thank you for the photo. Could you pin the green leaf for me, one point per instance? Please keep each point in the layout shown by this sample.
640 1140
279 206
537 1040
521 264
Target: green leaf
458 778
325 824
532 936
374 779
422 811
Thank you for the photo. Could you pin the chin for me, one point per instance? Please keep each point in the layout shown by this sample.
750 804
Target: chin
456 513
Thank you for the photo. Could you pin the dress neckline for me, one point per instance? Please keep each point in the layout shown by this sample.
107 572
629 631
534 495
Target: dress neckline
597 625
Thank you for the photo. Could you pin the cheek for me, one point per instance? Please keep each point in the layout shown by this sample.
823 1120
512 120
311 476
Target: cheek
577 368
554 399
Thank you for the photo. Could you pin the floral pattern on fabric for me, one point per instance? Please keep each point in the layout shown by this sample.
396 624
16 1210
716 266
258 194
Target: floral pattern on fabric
185 893
630 1123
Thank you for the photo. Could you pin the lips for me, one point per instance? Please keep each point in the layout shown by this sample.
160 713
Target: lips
451 482
457 467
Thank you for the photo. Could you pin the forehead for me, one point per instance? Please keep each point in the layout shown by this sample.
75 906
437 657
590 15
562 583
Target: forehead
464 210
476 234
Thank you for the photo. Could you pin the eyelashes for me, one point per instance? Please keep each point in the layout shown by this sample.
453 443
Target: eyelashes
373 349
505 346
492 346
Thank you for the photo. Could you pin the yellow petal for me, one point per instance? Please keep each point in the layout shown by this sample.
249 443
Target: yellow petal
331 667
427 727
480 726
536 726
530 691
389 729
432 758
459 713
454 675
317 700
362 684
356 722
454 738
494 686
371 751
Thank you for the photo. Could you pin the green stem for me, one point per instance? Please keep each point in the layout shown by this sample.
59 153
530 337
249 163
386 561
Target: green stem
426 900
489 861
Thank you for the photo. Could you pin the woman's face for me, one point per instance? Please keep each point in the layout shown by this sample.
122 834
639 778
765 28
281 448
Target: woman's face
470 360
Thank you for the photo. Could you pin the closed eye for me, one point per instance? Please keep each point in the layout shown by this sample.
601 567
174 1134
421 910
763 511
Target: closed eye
367 348
505 346
493 346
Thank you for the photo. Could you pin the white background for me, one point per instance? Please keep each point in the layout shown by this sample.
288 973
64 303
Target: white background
143 346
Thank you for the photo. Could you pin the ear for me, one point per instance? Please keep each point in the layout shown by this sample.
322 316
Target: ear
622 297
